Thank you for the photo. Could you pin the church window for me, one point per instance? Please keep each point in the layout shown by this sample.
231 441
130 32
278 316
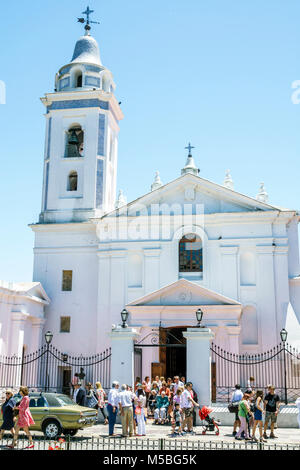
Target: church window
67 280
72 181
190 253
65 324
74 142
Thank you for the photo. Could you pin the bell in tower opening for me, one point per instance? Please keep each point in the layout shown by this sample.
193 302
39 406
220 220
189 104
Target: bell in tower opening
74 145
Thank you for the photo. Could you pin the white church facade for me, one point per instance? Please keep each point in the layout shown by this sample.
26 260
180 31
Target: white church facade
184 245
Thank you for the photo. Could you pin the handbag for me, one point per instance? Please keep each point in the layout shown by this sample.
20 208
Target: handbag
138 410
233 407
92 401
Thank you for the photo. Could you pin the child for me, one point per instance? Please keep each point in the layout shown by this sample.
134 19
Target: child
178 420
258 412
140 415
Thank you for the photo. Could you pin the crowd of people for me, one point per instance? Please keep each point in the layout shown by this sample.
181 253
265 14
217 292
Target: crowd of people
165 400
254 410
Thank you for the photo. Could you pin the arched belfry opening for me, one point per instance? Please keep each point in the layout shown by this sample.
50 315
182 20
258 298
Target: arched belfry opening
75 142
79 80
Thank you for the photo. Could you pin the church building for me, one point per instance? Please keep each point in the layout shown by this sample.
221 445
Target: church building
184 245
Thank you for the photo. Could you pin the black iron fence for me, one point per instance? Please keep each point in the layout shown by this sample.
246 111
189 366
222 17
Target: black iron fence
145 444
48 369
279 366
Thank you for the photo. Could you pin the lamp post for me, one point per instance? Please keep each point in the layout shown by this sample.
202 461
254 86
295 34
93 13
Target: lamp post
48 339
199 316
283 336
124 316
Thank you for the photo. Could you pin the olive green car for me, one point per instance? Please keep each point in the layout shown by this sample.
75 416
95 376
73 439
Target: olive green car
55 413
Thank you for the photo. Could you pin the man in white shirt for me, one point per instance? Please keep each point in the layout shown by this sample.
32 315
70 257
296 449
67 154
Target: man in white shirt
112 407
236 397
187 404
125 398
177 383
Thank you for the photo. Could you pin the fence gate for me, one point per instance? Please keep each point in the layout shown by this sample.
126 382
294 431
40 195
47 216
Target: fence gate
48 369
279 366
172 351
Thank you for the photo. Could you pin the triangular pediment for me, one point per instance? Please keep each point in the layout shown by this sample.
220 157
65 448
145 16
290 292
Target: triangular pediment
34 290
183 292
192 189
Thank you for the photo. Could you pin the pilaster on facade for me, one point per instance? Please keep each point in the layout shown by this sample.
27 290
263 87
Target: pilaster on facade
230 270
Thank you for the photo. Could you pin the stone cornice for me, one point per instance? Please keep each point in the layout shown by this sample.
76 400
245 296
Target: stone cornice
115 109
65 249
112 253
294 280
19 317
37 322
152 252
64 227
198 334
229 250
265 249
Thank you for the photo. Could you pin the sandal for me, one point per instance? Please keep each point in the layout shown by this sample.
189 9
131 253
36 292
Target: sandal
31 446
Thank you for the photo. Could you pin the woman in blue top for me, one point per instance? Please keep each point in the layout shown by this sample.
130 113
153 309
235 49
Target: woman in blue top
7 414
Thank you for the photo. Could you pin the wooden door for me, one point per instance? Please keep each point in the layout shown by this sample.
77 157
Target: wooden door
156 369
213 382
163 351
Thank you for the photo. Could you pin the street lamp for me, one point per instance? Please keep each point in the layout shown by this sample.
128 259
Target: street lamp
48 339
199 316
124 316
283 336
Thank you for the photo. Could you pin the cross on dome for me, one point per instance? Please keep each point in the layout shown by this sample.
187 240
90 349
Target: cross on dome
189 148
87 12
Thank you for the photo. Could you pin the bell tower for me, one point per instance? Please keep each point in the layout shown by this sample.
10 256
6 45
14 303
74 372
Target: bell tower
81 145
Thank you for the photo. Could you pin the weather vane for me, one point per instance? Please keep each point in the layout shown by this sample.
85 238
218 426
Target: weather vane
189 148
87 12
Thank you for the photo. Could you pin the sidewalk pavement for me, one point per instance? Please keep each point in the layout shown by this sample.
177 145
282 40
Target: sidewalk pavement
285 435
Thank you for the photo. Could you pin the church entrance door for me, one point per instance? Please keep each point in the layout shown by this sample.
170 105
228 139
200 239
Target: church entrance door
172 351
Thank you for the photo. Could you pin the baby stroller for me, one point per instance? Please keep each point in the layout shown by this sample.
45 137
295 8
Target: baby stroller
210 424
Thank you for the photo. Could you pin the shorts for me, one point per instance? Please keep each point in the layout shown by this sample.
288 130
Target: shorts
257 415
188 412
270 415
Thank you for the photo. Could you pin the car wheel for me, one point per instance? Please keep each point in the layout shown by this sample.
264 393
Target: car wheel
52 429
70 432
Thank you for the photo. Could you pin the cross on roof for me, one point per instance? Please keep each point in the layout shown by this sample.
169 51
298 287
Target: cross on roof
87 12
189 148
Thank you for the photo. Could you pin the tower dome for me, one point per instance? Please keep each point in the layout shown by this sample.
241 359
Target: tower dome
85 71
86 51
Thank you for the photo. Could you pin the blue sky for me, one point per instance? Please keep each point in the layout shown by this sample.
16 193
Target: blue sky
217 73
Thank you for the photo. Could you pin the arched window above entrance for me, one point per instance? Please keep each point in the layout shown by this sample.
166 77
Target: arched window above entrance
190 254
